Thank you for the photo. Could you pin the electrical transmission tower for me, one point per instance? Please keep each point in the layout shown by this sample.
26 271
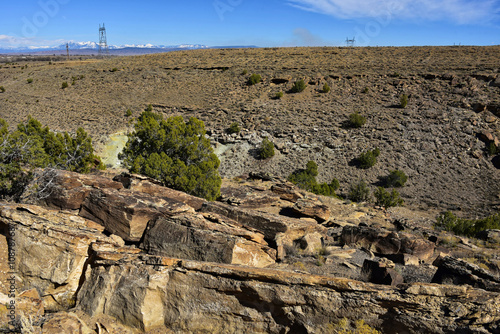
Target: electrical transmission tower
350 42
103 44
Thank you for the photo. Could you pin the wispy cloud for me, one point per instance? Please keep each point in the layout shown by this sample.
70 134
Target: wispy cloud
457 11
303 37
12 41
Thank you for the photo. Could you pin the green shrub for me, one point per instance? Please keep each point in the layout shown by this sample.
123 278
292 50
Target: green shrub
396 178
368 159
386 199
492 149
234 128
298 86
326 88
114 69
306 179
128 113
2 89
32 146
175 152
356 120
366 90
254 79
403 101
149 107
266 149
467 227
245 72
64 85
279 95
29 80
359 191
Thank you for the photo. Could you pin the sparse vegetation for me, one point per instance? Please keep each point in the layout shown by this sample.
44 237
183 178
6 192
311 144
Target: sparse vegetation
396 178
366 90
114 69
344 327
403 101
254 79
64 85
2 89
128 113
356 120
279 95
29 80
326 88
32 146
385 199
175 152
359 191
306 179
492 149
298 86
467 227
266 149
234 128
245 72
368 159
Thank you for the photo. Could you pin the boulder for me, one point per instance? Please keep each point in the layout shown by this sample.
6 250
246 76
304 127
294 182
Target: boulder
190 236
380 272
65 322
313 208
459 272
492 236
388 244
286 191
126 213
66 190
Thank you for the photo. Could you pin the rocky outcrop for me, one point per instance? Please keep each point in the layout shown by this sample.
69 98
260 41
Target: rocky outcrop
189 236
381 272
160 293
51 251
312 208
282 231
126 213
387 243
152 187
459 272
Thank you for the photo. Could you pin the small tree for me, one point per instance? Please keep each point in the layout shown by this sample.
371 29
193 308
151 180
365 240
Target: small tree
368 159
175 152
396 178
386 199
298 86
266 149
356 120
234 128
404 101
326 88
254 79
359 191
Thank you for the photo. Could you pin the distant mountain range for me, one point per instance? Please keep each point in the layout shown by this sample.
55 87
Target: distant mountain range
87 48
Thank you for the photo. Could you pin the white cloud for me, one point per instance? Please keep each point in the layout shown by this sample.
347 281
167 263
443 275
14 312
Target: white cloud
457 11
12 42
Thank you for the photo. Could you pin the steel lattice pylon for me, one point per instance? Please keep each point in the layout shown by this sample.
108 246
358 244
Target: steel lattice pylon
103 44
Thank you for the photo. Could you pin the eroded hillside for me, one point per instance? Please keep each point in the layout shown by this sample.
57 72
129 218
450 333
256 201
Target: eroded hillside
439 140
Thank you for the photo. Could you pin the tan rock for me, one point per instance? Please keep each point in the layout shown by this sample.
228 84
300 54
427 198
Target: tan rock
68 323
313 208
126 213
152 187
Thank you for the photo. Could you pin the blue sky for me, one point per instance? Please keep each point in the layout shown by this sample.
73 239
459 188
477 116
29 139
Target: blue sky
252 22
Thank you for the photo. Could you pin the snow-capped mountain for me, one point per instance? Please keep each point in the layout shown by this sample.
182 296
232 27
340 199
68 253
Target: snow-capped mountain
73 45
